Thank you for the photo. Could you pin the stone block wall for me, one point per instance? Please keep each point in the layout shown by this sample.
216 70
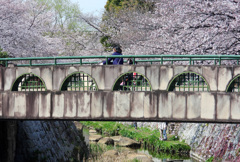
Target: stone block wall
220 141
49 141
8 131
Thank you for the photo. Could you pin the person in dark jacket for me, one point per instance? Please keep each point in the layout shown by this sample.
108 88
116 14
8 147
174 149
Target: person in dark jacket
116 61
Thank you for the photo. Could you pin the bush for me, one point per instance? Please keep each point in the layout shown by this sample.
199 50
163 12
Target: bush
173 138
210 159
3 54
144 134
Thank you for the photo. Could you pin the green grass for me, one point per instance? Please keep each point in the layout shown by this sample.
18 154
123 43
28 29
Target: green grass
210 159
143 135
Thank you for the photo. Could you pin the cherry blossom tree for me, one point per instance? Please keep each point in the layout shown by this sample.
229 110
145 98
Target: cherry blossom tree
45 28
178 27
21 29
57 27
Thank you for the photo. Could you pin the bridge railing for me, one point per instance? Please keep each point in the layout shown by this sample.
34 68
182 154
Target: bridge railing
216 59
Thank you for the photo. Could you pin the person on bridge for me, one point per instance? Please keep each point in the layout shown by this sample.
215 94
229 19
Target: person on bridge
116 61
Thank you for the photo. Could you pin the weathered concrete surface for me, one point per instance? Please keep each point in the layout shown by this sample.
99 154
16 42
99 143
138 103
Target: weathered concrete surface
122 106
105 104
159 76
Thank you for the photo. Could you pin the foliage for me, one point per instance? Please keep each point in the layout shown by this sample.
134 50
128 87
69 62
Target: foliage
3 54
210 159
118 5
164 155
173 138
105 128
104 40
144 134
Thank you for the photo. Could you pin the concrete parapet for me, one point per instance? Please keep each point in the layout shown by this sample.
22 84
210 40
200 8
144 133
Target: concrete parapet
160 76
9 75
166 74
123 106
179 106
152 73
235 110
83 105
194 108
58 75
223 106
44 105
224 75
208 106
210 73
105 104
137 105
165 101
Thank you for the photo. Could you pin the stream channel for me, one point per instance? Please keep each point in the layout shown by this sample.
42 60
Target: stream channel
115 153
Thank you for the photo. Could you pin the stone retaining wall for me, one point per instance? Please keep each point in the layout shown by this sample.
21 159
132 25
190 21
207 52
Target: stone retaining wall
220 141
8 131
48 141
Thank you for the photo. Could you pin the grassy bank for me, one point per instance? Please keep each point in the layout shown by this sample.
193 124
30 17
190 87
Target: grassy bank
149 138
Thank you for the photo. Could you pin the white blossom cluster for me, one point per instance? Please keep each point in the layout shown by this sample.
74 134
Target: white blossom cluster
30 28
203 27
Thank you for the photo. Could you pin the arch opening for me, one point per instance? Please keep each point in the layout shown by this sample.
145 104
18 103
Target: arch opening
28 82
79 82
188 81
132 81
234 85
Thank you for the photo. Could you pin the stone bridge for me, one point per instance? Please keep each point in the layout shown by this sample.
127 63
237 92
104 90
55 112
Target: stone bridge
188 93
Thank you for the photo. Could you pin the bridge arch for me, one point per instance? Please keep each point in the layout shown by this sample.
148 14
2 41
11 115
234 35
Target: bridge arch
28 82
188 81
79 81
132 81
234 84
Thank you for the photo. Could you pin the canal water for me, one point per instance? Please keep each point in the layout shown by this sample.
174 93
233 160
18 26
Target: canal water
96 152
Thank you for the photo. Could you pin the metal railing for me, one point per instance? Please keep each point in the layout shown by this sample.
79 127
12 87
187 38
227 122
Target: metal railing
132 81
188 81
191 59
79 82
28 82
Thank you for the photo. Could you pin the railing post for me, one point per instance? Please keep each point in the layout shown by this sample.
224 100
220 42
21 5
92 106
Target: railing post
133 60
106 60
55 61
80 61
30 62
161 60
238 61
215 61
190 61
6 63
219 60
